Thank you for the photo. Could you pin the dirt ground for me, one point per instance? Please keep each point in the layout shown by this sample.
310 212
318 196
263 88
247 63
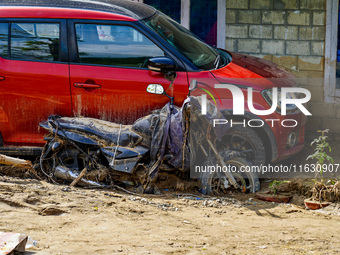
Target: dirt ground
67 220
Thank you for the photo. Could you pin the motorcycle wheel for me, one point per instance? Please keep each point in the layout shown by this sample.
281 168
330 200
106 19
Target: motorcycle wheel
247 141
217 183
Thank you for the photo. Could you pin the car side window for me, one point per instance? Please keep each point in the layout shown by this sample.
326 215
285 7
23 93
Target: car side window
114 45
4 39
35 41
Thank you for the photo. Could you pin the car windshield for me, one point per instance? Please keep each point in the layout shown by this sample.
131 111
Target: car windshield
198 52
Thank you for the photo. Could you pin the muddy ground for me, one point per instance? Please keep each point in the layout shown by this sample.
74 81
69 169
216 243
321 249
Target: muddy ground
67 220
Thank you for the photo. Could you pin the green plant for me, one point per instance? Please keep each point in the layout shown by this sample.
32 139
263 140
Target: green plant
322 191
274 186
320 151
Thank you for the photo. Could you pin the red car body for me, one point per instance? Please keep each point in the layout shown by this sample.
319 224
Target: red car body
30 91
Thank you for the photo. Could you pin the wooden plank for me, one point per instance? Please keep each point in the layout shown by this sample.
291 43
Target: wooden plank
221 23
331 40
79 177
185 13
6 160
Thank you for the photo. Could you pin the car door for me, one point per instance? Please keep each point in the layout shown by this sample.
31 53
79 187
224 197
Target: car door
109 73
34 80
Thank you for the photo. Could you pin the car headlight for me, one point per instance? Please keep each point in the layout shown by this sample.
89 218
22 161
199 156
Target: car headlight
268 96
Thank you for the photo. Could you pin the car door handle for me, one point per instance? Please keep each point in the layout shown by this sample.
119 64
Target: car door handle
2 78
87 86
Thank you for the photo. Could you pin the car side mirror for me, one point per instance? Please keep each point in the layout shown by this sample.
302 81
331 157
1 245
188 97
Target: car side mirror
155 89
161 64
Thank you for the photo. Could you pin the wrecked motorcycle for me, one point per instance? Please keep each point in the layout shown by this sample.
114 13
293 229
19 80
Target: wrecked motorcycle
97 153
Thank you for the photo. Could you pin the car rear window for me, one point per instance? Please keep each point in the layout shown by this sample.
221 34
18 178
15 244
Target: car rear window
35 41
4 39
114 45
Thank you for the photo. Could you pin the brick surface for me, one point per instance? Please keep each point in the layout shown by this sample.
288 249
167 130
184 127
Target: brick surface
337 111
261 31
318 48
312 33
317 94
273 47
319 18
313 124
230 44
288 62
237 4
260 4
286 4
273 17
313 82
323 110
313 4
263 56
268 57
237 31
230 16
297 48
286 32
333 125
309 74
308 63
298 18
249 17
248 46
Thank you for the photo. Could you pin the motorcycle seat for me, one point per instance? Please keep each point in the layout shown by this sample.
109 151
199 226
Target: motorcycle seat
108 132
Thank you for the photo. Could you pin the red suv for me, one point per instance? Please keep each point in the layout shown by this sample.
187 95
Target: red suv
74 58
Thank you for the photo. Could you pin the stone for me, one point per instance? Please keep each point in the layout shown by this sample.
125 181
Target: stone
237 4
289 62
313 4
337 111
249 17
319 18
230 44
286 32
260 4
286 4
261 31
298 18
273 17
297 48
230 16
312 33
273 47
310 63
318 48
326 110
237 31
249 46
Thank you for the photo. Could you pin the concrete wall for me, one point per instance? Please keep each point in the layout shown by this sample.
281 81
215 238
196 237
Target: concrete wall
290 33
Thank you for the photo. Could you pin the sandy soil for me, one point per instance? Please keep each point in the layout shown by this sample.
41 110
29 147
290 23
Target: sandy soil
68 220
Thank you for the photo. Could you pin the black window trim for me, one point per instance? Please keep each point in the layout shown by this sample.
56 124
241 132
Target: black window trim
189 66
63 49
73 48
8 39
